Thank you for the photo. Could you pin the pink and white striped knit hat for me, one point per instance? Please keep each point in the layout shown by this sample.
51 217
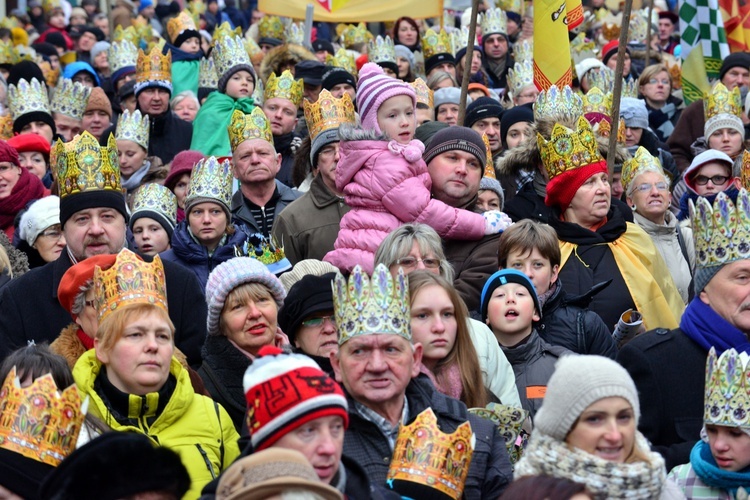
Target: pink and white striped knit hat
373 89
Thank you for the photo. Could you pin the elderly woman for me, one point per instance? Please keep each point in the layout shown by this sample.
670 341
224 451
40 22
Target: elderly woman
244 299
586 431
185 105
133 380
418 246
33 154
596 242
647 190
18 187
655 85
40 233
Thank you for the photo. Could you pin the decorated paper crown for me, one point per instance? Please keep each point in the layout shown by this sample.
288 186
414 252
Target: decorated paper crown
596 101
267 252
580 49
425 95
156 198
122 54
83 165
295 33
211 179
179 24
50 5
351 34
722 231
436 43
284 87
225 30
207 77
7 54
489 167
611 27
129 281
271 27
6 127
328 112
381 50
494 21
377 305
641 163
722 101
638 28
133 127
27 98
197 7
745 172
228 53
51 76
70 99
154 66
460 39
509 421
244 127
252 48
520 76
425 455
568 149
38 421
129 34
558 102
344 60
727 389
523 51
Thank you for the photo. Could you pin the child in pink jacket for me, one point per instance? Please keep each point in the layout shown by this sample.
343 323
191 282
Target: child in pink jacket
384 179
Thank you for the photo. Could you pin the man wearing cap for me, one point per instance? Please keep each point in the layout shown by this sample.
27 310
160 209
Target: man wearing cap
379 367
322 48
735 72
667 22
339 81
97 116
311 73
483 116
88 36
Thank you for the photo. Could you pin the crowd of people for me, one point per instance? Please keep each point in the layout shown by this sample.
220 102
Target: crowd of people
241 260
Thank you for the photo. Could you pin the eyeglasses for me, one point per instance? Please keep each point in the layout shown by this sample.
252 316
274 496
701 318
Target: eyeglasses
53 234
654 81
716 180
313 322
645 187
411 262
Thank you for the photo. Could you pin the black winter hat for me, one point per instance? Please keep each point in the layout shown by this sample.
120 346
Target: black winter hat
483 107
741 59
336 76
523 113
427 131
311 72
437 59
312 294
319 45
456 138
22 475
25 70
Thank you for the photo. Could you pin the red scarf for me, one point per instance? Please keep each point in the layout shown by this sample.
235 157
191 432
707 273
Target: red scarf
87 341
28 188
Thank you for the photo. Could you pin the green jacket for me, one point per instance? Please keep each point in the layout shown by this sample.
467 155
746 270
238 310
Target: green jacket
210 134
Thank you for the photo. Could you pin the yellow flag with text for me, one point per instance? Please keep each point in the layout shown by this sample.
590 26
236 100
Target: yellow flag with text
354 11
552 63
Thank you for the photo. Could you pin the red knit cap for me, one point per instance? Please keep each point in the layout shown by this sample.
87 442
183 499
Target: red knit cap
77 276
8 153
25 143
562 189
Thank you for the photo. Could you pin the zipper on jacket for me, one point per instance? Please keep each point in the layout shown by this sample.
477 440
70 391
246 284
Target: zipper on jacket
209 465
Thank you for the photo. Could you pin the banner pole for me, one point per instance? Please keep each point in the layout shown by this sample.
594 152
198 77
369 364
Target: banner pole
617 91
467 62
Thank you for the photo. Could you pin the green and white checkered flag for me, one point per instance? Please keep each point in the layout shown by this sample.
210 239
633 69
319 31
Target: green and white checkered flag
704 46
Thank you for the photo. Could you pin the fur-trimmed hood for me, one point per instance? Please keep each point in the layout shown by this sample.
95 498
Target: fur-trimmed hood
280 56
349 132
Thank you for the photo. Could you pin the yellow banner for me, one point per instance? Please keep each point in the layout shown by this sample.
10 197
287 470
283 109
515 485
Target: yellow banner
575 13
552 64
354 11
694 76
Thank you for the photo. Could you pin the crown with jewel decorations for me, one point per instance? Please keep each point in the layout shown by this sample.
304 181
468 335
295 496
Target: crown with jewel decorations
523 51
225 30
295 33
207 77
39 421
212 180
371 306
129 34
284 87
271 27
253 49
563 103
153 68
596 101
638 28
129 281
83 165
351 34
6 127
70 99
179 24
122 54
328 112
510 422
494 21
520 76
133 127
425 95
460 39
611 26
260 248
27 97
727 389
568 149
426 455
639 164
381 50
436 43
153 197
344 60
722 101
244 127
721 231
745 172
228 53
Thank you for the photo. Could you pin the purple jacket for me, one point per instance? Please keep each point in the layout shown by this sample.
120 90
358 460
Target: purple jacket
386 184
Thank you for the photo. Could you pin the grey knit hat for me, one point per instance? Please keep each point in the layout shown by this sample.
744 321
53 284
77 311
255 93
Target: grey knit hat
578 382
490 184
448 95
456 138
634 112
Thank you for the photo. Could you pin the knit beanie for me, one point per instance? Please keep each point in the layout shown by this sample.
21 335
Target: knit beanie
34 116
403 51
456 138
610 50
587 65
309 393
490 184
335 76
182 163
563 187
24 70
310 295
448 95
98 101
578 382
462 52
98 48
736 59
437 59
322 140
516 114
229 275
483 107
503 277
634 112
40 215
303 268
46 50
373 89
427 131
8 153
78 275
323 45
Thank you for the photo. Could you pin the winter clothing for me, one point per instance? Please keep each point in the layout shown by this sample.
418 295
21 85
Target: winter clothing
185 66
741 59
610 50
211 137
98 101
278 58
448 95
304 268
663 120
693 487
153 170
169 135
702 478
373 89
634 112
503 277
77 276
456 138
195 427
484 107
182 163
687 129
286 145
310 295
496 370
27 189
40 215
242 208
512 116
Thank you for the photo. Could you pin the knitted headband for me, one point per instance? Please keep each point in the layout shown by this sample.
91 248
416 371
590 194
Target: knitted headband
373 89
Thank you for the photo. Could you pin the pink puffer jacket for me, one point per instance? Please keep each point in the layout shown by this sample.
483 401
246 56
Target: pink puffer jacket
386 184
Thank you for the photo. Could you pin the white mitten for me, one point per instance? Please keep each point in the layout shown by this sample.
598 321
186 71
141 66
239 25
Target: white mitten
495 221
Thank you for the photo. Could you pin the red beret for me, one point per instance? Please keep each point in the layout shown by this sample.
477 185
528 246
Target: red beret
77 276
8 153
30 142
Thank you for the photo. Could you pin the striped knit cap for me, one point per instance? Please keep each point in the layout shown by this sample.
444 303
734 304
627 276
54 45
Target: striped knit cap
286 391
373 89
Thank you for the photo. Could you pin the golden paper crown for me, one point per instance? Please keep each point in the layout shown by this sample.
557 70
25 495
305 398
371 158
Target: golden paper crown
252 48
510 422
129 34
520 76
267 252
129 281
722 101
426 455
523 51
225 30
6 127
8 53
722 231
38 421
675 71
436 43
489 167
344 60
211 179
122 54
154 197
50 5
460 39
328 112
207 77
82 165
51 76
351 34
244 127
295 33
558 102
596 101
70 99
271 27
133 127
284 87
639 164
367 306
611 30
153 66
381 50
494 21
27 98
727 389
568 149
228 53
745 172
179 24
425 95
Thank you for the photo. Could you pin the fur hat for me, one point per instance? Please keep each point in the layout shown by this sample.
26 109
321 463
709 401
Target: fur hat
182 163
373 89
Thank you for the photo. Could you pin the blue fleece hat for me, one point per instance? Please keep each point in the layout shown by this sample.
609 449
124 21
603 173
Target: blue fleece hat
73 69
503 277
145 4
